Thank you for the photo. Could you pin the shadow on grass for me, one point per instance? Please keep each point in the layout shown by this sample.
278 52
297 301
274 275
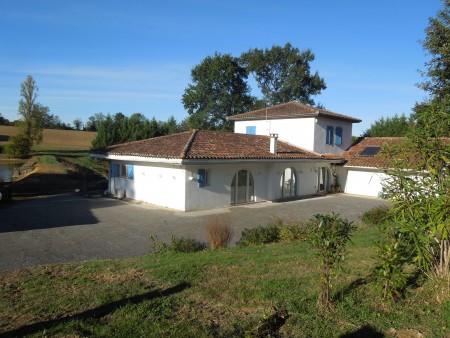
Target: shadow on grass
365 331
96 313
348 289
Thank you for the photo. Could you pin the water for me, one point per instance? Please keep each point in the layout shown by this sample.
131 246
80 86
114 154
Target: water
6 171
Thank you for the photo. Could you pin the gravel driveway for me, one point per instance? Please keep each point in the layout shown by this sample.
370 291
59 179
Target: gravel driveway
69 228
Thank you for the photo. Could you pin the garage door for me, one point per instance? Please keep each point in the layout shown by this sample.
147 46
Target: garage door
363 183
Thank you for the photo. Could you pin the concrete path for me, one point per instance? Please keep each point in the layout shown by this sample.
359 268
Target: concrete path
72 228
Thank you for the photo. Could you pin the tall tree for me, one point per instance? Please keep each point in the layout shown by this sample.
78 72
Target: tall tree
437 45
284 74
396 126
218 90
33 113
3 120
32 122
77 124
93 122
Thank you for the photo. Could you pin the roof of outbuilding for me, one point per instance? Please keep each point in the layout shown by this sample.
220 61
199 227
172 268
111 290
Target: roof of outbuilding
290 110
206 144
356 159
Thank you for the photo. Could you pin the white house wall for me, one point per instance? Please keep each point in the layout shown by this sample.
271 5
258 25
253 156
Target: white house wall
160 184
298 131
266 176
218 193
320 136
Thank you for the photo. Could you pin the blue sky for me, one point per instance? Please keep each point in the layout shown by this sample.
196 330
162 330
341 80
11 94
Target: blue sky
136 56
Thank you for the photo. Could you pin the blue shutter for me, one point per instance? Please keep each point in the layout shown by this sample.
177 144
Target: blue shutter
115 170
201 177
130 169
251 130
338 136
329 135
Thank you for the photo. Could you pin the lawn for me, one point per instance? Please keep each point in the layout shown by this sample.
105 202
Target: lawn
255 291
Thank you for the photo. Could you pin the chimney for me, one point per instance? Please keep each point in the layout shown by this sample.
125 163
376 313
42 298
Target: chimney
273 143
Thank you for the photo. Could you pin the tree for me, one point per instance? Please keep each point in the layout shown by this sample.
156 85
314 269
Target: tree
3 121
284 74
418 186
396 126
33 113
93 122
436 44
32 122
218 90
78 124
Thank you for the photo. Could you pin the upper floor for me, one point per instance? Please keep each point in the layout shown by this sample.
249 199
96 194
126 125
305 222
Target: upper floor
314 129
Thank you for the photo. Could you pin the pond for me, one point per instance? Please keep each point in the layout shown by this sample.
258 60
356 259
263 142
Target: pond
7 170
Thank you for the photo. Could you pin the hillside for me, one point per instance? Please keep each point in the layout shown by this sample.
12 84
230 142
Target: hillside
54 138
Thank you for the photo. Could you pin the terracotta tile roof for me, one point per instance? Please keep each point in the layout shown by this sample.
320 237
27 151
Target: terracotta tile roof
290 110
205 144
355 159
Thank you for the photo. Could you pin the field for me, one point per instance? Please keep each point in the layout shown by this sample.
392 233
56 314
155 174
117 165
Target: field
55 139
60 164
256 291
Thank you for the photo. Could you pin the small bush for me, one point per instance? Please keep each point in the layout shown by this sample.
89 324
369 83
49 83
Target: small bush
377 215
292 231
18 147
261 235
177 244
329 237
219 231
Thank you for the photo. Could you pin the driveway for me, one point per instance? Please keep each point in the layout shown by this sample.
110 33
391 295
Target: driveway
70 228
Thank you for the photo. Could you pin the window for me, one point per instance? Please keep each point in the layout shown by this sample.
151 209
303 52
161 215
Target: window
122 171
250 130
329 135
203 178
338 140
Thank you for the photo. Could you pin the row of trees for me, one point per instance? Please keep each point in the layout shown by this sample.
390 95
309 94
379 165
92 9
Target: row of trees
220 85
120 128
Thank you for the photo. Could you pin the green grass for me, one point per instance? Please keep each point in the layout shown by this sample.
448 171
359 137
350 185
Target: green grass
224 293
77 157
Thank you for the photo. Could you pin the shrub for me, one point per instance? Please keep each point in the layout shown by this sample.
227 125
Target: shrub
219 231
261 235
292 231
377 215
18 147
329 236
177 244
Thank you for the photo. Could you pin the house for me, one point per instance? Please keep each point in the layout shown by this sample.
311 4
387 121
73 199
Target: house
281 152
203 169
311 128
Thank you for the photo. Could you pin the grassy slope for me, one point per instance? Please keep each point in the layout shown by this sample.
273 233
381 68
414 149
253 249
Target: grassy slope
232 292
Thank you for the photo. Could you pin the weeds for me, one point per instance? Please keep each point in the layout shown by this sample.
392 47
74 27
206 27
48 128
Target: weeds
177 244
376 216
219 231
